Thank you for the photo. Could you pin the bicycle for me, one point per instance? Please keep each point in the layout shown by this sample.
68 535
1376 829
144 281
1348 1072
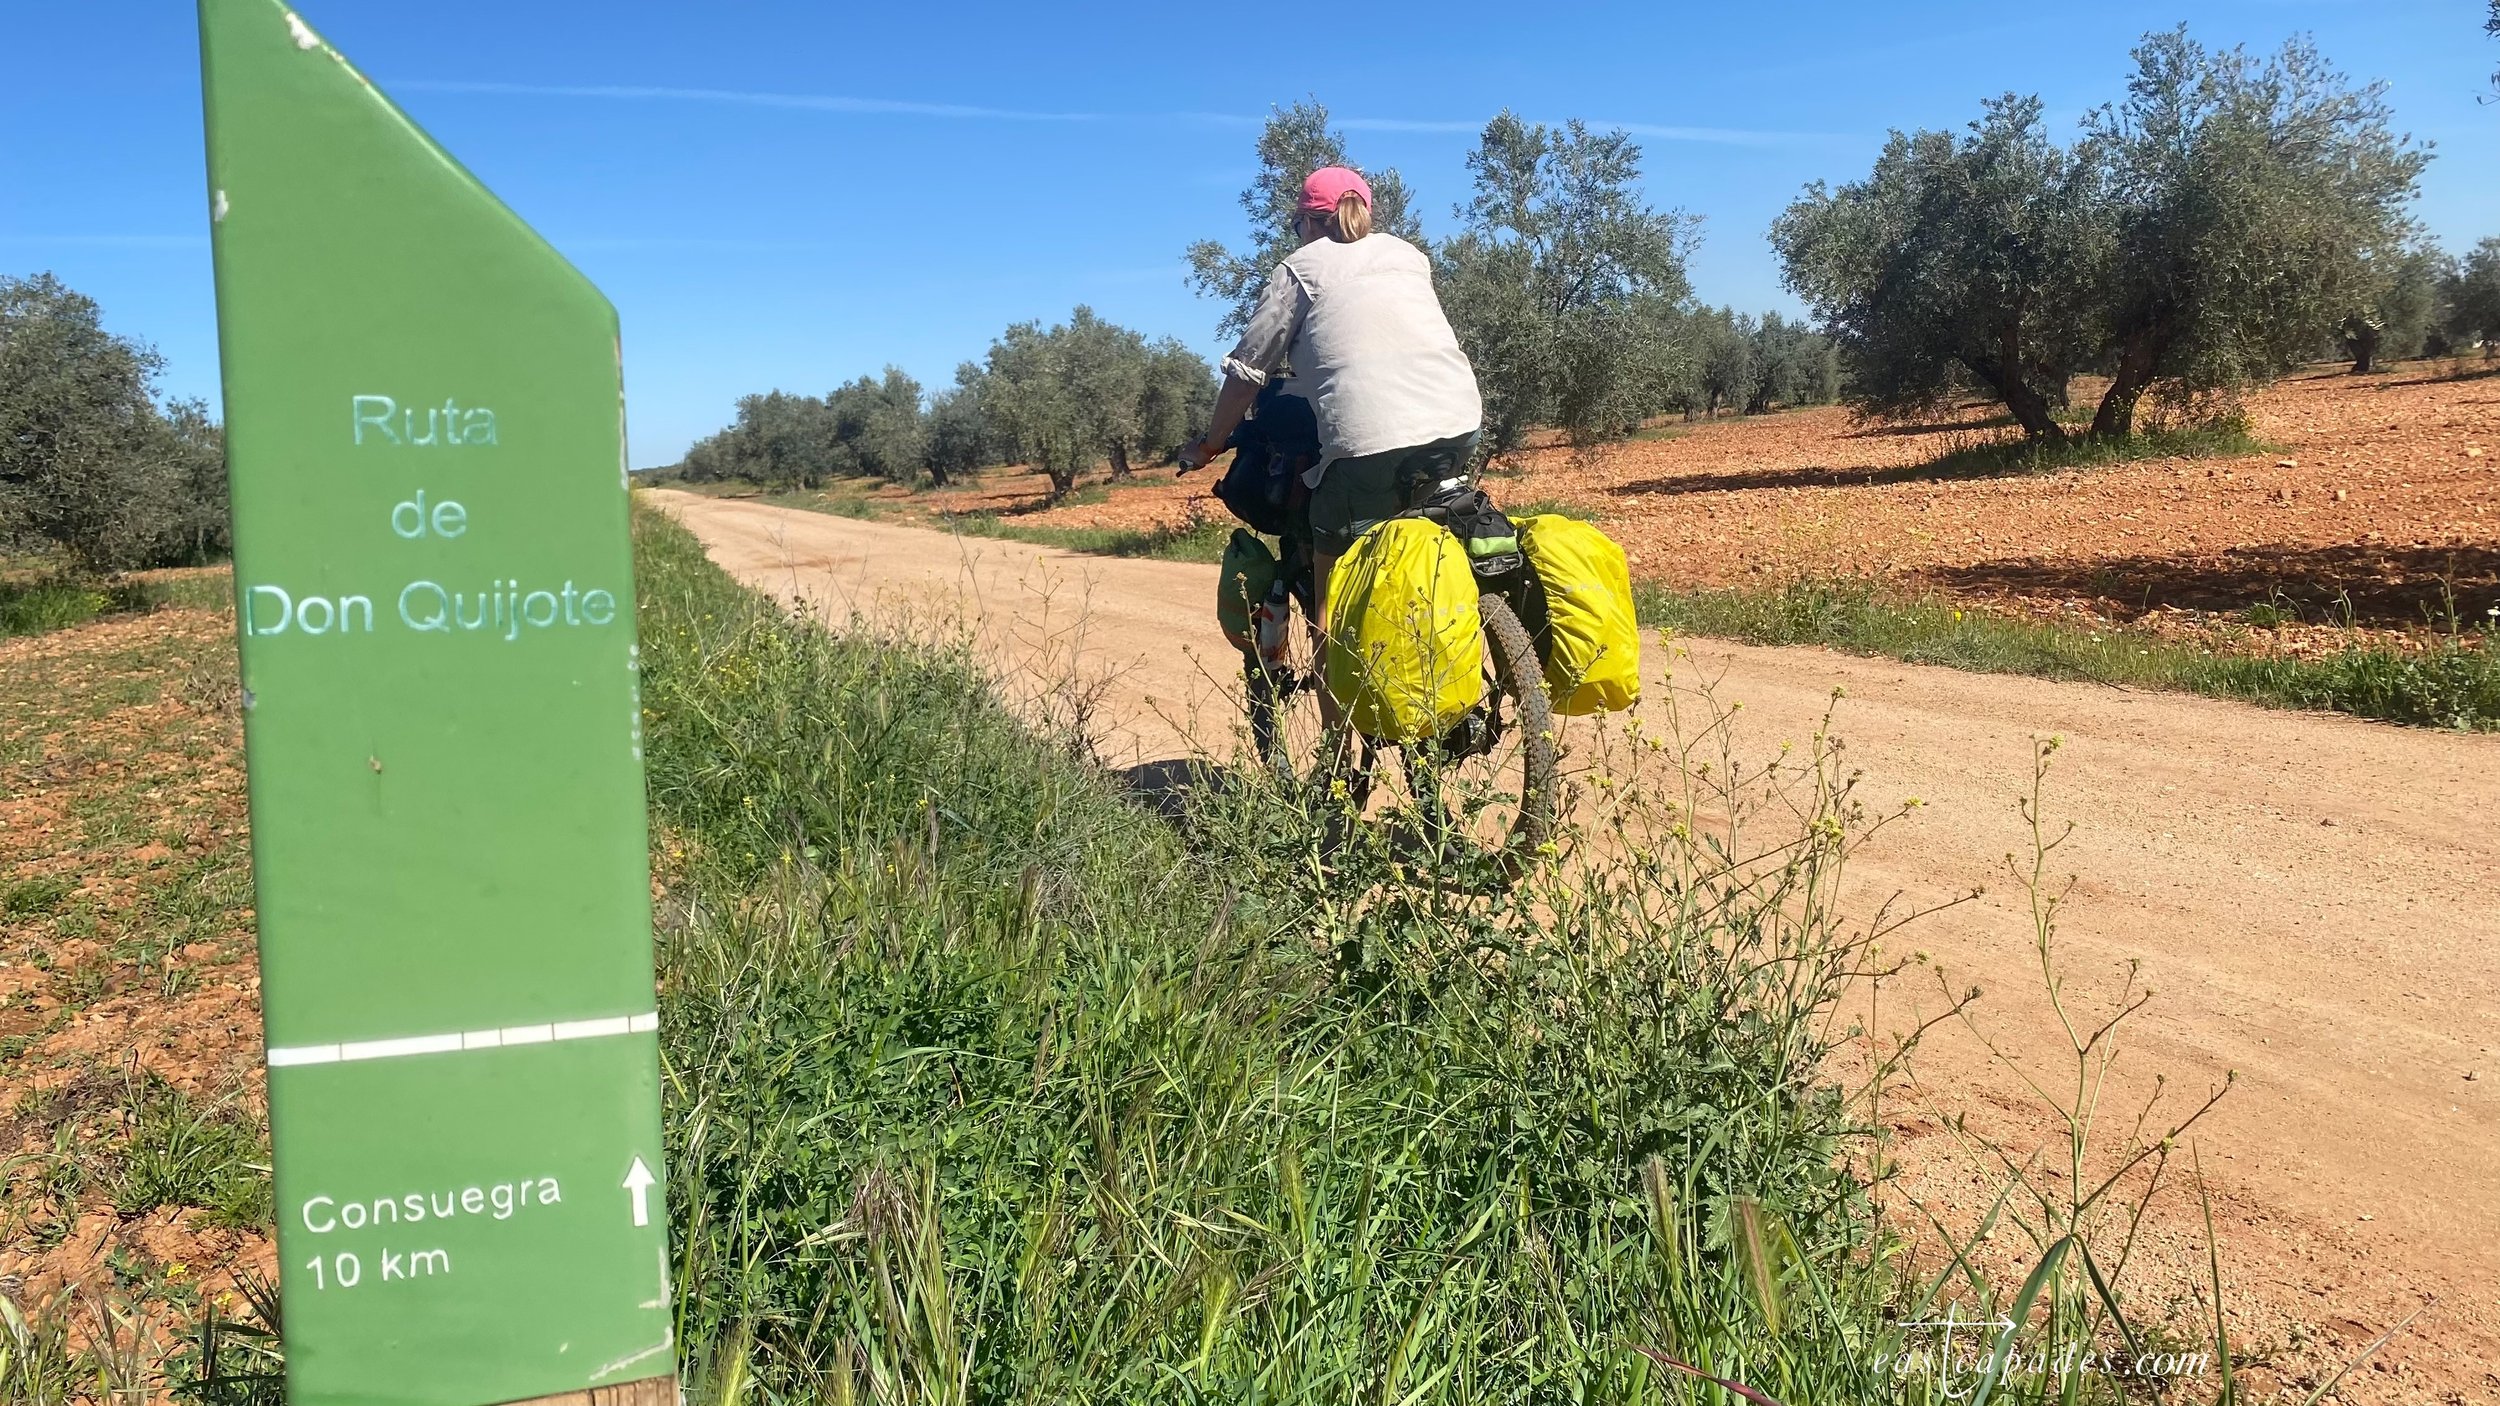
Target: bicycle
1492 782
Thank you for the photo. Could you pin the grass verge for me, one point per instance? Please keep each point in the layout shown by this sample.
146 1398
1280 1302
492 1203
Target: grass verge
2455 683
985 1085
989 1086
33 605
1200 540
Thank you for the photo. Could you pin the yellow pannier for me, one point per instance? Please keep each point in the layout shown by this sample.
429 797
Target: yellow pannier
1595 661
1405 646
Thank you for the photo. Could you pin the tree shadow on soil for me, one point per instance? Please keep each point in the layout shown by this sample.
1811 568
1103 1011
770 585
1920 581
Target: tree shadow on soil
1886 430
2364 583
1949 469
2442 378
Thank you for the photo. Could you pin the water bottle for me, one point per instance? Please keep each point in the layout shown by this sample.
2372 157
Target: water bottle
1267 627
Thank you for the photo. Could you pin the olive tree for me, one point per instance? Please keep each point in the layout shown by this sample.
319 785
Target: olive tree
1023 394
1067 397
2472 315
1723 364
959 438
92 468
1565 287
1295 142
877 428
2215 227
779 439
1179 396
2402 312
1791 365
2247 201
1102 371
1959 262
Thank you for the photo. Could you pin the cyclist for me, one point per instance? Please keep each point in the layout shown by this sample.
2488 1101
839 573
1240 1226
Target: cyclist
1353 312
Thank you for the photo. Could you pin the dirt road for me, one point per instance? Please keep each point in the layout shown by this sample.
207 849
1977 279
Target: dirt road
2311 897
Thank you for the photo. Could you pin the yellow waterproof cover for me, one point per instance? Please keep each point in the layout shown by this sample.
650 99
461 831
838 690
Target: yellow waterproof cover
1595 662
1405 646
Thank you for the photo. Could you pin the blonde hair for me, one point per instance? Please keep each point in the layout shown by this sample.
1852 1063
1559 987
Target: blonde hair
1352 221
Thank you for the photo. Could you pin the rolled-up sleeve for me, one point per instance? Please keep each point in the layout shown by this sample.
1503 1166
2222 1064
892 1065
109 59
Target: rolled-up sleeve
1273 325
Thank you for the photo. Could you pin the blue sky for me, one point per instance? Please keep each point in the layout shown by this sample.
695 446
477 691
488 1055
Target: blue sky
786 194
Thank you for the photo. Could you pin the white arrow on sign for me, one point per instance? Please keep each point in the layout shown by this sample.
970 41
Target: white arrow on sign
638 1180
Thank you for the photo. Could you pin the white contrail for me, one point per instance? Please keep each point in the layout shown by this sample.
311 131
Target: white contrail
814 102
833 102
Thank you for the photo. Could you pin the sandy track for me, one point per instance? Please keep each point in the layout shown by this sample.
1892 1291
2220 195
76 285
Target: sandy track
2312 897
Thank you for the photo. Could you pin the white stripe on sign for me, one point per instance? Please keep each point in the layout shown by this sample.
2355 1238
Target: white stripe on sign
288 1056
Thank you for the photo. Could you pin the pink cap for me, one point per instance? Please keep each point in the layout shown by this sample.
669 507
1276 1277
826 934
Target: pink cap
1322 189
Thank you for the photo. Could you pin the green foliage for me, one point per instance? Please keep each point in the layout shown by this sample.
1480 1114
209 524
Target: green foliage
2472 296
1197 540
959 436
779 439
1957 263
877 428
872 427
1565 287
2221 438
184 1152
1177 399
988 1086
2216 227
1296 141
232 1358
2247 201
40 1364
92 468
33 605
1722 360
41 604
1791 365
40 893
1065 398
1734 361
2454 683
2403 316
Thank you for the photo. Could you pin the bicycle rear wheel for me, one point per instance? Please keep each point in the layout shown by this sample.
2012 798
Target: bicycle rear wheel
1519 674
1490 789
1497 801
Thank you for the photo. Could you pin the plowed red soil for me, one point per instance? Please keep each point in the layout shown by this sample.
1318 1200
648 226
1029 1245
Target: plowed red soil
126 958
2379 493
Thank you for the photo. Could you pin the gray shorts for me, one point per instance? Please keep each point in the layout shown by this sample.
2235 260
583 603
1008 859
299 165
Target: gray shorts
1357 492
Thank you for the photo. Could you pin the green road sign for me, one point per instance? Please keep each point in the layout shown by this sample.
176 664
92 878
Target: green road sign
424 422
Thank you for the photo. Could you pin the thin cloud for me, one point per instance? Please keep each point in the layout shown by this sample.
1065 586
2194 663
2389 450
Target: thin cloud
693 243
806 102
110 241
1721 136
896 107
1402 124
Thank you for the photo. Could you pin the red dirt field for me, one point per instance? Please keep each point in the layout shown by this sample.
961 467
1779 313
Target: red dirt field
2378 491
126 961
